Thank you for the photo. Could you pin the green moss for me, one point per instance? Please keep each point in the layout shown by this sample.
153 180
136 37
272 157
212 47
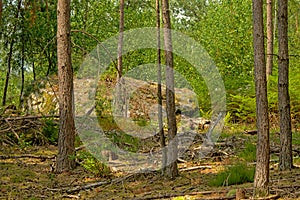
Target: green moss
22 176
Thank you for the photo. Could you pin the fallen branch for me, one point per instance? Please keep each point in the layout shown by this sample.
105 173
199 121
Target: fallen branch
84 187
80 148
195 168
164 196
11 128
31 117
251 132
3 157
93 185
266 198
71 196
217 198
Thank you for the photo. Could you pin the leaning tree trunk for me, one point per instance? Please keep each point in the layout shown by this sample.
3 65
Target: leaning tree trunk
172 169
285 156
269 64
66 139
159 93
261 179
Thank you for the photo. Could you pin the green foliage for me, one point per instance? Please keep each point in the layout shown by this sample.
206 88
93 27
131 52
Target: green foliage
296 160
142 122
124 141
103 97
237 174
248 153
25 140
50 130
93 165
296 138
224 28
242 108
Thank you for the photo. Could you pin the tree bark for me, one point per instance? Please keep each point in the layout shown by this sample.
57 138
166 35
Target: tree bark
1 10
22 74
261 179
9 56
159 93
120 96
269 38
66 139
172 169
285 156
33 71
120 43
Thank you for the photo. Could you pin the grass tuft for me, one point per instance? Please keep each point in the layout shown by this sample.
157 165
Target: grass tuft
248 154
233 175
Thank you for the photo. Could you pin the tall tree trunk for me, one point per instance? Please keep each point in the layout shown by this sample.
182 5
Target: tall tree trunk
261 179
9 56
275 22
33 71
22 75
172 169
120 43
297 22
120 96
1 10
269 38
23 40
285 156
49 70
159 93
66 139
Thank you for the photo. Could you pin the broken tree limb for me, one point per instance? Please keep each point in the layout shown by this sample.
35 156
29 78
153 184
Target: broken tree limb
2 157
164 196
251 132
30 117
195 168
84 187
266 198
92 185
11 128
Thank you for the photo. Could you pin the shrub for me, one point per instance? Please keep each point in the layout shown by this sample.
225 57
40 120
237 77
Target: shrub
50 131
93 165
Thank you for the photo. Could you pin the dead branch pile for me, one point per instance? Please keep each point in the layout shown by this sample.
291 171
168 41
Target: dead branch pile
15 129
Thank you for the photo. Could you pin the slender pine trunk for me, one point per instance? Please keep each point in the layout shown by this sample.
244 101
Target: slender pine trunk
172 169
261 179
285 156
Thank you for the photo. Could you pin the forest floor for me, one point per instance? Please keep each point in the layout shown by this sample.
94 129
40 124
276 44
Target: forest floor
26 173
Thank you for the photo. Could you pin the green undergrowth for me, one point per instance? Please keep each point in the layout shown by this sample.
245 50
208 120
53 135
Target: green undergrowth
232 175
90 163
248 154
296 138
